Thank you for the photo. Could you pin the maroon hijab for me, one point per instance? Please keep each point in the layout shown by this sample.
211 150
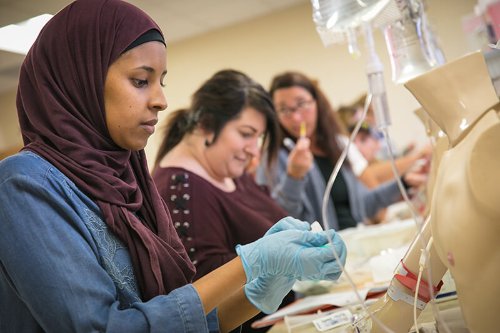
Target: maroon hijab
60 104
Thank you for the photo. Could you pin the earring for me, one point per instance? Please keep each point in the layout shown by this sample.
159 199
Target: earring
207 143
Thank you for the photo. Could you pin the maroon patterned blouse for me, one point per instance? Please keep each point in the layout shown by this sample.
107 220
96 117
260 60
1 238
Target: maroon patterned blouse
211 222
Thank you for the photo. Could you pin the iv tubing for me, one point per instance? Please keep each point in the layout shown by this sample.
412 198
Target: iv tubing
375 70
324 207
424 256
377 89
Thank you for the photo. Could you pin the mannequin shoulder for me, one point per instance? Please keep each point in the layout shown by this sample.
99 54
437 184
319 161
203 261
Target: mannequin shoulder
483 168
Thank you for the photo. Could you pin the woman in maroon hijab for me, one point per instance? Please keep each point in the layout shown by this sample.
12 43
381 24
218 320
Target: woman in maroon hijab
86 243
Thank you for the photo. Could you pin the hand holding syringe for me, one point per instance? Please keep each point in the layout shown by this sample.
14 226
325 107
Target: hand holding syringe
300 159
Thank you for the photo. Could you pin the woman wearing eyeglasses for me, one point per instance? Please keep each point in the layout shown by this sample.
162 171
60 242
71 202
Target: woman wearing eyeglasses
305 162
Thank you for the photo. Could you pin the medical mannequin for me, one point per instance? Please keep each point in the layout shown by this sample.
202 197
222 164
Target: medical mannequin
465 211
440 144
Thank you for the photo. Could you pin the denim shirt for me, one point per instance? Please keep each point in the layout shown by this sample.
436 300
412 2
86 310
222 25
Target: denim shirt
62 270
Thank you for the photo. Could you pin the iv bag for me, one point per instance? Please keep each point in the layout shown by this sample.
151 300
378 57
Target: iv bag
334 18
411 45
407 54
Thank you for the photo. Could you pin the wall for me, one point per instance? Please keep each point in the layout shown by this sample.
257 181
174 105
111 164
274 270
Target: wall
10 134
283 41
288 40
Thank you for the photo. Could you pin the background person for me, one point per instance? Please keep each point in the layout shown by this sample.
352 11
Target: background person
302 171
367 144
201 169
376 169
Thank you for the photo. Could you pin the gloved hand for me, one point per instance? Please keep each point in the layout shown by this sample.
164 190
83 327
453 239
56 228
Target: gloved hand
267 292
295 253
288 223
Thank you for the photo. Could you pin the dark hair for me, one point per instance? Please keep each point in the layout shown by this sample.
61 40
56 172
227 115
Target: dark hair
347 115
360 101
327 125
219 100
148 36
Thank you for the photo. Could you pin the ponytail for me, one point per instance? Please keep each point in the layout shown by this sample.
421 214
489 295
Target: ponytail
178 123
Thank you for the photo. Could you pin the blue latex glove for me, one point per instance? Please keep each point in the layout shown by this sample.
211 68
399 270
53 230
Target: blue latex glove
288 223
295 253
267 292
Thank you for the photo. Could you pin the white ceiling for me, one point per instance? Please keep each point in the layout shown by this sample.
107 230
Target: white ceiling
180 19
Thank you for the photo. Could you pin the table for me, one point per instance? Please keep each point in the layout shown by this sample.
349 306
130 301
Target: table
449 311
369 250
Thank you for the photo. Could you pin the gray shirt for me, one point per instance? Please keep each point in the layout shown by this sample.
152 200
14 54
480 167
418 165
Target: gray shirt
303 198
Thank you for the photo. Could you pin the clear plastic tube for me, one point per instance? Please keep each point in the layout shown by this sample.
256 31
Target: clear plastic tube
379 104
378 99
382 118
352 43
416 218
324 209
376 84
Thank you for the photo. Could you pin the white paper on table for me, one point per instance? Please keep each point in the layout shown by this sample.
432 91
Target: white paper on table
384 265
311 302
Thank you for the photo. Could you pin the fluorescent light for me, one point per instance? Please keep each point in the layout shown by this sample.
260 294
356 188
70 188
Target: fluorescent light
19 37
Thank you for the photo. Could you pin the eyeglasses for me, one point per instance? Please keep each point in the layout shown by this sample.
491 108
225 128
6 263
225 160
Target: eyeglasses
302 106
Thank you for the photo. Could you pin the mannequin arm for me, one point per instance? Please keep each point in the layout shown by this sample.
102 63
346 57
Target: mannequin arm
398 315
